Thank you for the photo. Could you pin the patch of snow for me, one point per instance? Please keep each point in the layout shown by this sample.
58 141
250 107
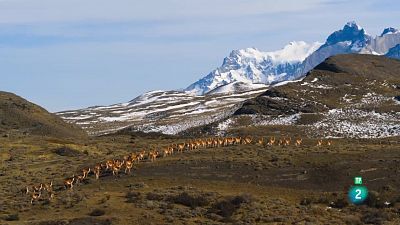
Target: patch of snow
357 123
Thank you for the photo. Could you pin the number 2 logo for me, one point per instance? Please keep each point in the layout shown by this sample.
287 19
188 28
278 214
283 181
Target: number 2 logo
358 195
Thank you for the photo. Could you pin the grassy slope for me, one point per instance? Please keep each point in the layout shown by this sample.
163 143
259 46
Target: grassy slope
17 115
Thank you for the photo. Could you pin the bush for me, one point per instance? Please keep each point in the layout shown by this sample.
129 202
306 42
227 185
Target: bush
132 196
12 217
66 151
224 208
190 200
374 217
227 207
373 199
97 212
154 196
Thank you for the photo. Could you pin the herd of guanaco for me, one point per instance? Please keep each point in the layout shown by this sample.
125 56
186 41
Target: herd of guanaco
114 166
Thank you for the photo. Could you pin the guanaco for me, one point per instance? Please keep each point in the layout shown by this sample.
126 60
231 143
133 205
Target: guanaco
271 141
248 140
117 167
85 172
261 141
35 188
69 183
35 196
319 143
97 170
153 156
109 164
237 140
128 166
181 147
329 143
299 142
79 179
48 187
97 173
287 141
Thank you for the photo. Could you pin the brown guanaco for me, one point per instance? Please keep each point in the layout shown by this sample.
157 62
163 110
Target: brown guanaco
85 172
261 141
35 196
128 166
117 167
181 147
97 170
35 188
298 142
271 141
48 187
248 140
109 164
69 182
153 155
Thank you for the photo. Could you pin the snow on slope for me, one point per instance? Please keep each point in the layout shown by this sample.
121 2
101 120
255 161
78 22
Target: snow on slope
168 112
236 87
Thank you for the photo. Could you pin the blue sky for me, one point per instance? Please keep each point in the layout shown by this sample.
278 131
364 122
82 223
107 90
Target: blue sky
68 54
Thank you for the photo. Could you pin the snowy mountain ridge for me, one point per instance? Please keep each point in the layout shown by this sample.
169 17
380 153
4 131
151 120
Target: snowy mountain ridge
251 65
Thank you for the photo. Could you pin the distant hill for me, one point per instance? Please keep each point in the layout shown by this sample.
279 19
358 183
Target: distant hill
18 115
351 95
340 81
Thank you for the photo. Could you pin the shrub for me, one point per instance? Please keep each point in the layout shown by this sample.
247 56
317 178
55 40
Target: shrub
12 217
97 212
66 151
154 196
132 196
227 207
190 200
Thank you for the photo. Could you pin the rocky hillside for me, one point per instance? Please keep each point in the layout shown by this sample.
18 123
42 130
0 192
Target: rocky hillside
346 95
19 116
168 112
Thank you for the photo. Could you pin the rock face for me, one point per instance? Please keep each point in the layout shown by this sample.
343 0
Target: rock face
394 52
294 60
18 115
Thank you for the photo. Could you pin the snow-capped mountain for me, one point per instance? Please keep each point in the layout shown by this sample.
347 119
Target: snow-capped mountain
251 65
351 39
244 74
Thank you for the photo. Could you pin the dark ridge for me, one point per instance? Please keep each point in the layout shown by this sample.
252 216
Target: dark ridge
19 116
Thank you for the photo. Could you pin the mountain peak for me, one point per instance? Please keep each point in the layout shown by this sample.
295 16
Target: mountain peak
389 30
350 32
251 65
353 24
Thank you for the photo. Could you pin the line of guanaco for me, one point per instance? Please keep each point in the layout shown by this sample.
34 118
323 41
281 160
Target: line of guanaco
127 162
